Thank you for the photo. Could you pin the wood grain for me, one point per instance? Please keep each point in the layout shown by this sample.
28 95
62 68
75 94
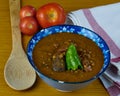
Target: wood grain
18 73
40 88
14 6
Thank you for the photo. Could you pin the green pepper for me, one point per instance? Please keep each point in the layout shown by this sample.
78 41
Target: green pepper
72 58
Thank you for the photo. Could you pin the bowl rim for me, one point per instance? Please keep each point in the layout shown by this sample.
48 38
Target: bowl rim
59 81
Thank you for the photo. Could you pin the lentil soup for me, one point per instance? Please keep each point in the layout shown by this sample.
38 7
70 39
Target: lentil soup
89 53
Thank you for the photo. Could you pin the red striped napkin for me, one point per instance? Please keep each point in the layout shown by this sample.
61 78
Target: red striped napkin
105 21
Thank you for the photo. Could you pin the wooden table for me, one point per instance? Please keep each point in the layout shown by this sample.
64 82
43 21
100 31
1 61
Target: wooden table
40 88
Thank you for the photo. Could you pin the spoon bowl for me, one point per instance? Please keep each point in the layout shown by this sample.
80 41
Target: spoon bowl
18 73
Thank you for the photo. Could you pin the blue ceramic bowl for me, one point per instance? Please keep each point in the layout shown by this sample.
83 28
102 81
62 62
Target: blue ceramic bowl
61 85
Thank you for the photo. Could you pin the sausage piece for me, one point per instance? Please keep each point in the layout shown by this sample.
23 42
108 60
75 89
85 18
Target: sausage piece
58 58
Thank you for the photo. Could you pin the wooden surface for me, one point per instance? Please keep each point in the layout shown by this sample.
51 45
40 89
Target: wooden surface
40 88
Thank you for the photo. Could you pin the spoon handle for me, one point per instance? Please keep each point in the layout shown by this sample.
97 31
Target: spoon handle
14 16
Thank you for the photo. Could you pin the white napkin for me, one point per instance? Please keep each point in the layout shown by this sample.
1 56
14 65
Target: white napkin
105 21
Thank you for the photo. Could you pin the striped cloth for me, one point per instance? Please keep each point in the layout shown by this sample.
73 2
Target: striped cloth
105 21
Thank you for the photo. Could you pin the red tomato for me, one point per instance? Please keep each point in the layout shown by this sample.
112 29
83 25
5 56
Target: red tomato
50 14
29 25
27 11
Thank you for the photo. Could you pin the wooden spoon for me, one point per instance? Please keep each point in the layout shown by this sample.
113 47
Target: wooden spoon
18 73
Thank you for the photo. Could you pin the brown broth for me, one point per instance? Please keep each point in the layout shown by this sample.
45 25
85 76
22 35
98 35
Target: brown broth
44 49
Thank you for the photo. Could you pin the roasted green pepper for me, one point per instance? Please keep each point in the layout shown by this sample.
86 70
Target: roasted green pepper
72 58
